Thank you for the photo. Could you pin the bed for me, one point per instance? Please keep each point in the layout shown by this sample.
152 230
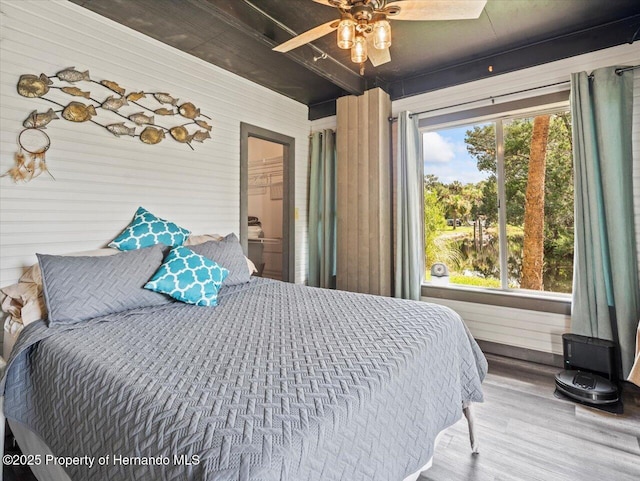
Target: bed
278 382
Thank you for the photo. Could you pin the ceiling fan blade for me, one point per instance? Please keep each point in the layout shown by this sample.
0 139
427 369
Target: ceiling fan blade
377 56
308 36
437 9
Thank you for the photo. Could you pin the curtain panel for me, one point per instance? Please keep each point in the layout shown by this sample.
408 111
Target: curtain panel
606 297
409 241
322 210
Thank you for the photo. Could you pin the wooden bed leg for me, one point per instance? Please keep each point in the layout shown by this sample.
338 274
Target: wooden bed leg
468 413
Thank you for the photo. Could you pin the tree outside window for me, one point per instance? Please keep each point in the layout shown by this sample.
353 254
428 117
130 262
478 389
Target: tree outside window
462 211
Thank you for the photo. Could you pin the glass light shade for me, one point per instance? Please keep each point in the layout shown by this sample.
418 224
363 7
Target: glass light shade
359 50
346 33
382 34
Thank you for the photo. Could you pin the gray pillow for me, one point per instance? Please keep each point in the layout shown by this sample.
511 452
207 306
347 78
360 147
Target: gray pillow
227 253
81 288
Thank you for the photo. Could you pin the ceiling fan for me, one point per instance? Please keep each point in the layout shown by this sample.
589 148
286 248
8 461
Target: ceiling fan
364 26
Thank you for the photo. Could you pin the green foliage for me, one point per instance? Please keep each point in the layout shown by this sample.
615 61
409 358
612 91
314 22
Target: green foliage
462 280
434 222
431 182
436 249
481 144
474 281
480 201
489 203
558 212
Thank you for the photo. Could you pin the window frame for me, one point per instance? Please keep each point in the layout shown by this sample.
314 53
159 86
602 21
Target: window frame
543 301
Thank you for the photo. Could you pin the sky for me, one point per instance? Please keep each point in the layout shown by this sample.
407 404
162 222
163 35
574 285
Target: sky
446 156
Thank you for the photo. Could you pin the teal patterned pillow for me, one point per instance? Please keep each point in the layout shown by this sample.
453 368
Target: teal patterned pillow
188 277
147 230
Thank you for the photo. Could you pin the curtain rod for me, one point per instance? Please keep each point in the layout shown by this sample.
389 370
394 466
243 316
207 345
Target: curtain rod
619 71
626 69
492 98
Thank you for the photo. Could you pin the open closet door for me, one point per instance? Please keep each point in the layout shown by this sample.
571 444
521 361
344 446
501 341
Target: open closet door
267 227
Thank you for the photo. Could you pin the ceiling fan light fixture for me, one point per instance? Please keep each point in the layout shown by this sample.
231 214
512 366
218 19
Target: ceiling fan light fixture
364 27
346 33
382 34
359 49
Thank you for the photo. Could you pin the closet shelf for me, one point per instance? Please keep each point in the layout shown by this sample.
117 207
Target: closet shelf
267 240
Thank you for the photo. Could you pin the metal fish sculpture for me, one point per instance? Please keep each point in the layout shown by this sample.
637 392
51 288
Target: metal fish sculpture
163 111
32 86
181 134
140 118
121 129
72 75
189 110
201 136
113 86
78 112
38 121
151 135
114 104
204 125
164 98
75 91
133 96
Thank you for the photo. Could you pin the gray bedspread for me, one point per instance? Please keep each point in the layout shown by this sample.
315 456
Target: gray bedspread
280 382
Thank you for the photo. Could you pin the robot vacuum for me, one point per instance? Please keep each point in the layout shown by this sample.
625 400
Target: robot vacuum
587 387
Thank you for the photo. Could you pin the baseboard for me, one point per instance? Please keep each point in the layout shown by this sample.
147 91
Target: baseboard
521 353
540 357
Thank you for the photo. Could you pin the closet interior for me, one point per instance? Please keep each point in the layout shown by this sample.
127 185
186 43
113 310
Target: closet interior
265 207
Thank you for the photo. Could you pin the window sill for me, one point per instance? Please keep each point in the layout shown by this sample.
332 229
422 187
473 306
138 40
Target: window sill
544 302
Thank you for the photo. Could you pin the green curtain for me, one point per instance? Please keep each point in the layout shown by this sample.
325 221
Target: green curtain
408 216
606 297
322 210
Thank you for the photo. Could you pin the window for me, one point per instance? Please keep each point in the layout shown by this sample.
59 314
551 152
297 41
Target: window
498 203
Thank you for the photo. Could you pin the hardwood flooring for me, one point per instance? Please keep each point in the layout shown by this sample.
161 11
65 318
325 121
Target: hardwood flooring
526 434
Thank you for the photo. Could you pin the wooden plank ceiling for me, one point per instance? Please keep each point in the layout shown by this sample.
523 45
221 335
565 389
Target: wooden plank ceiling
238 35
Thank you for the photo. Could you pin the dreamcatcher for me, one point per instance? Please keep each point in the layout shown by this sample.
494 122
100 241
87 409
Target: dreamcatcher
30 160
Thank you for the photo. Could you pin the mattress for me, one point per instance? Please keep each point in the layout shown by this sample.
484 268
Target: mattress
278 382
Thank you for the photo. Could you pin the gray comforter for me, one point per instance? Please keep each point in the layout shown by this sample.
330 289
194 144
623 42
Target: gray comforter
280 382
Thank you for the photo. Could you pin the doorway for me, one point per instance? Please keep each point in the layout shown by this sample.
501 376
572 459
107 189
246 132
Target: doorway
267 162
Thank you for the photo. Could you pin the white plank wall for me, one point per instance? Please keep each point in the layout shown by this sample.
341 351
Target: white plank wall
523 328
101 179
515 327
324 123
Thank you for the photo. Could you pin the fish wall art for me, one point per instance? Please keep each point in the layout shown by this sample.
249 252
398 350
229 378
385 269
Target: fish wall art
149 116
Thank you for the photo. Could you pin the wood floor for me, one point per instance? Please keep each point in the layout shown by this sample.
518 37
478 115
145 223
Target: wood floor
527 434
